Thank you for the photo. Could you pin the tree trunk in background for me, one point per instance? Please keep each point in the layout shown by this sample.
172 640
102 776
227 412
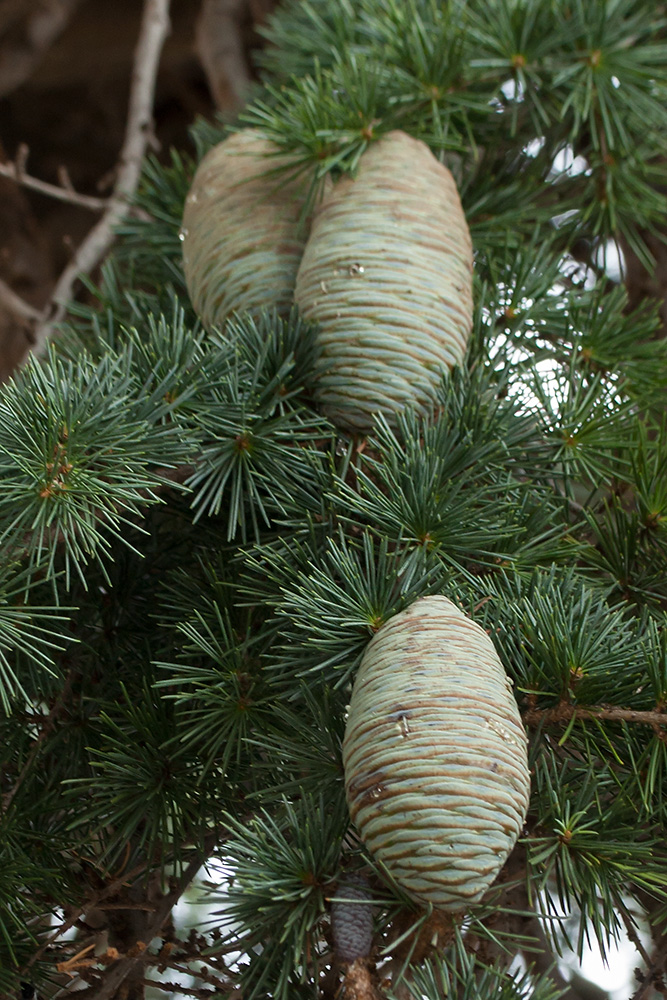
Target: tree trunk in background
642 284
64 76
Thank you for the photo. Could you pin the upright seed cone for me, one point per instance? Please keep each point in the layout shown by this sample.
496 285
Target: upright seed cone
242 235
436 769
387 274
352 918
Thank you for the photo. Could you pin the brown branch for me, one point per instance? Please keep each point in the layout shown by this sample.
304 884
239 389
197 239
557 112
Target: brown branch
49 722
15 304
633 936
565 711
14 171
138 132
122 881
653 975
68 923
220 48
120 970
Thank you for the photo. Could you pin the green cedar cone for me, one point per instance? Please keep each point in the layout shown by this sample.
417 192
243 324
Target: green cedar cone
242 232
435 759
387 275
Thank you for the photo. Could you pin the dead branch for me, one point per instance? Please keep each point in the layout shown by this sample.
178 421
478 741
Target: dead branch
652 979
109 890
219 42
48 723
15 171
121 969
15 304
138 133
26 42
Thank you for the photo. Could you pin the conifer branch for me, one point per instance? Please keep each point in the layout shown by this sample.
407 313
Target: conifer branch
216 673
15 171
17 305
138 134
652 978
119 972
109 890
48 722
565 711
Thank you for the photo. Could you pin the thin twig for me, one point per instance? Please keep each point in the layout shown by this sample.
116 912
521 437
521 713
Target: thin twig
633 936
220 47
565 711
49 722
120 882
64 193
138 132
109 890
118 973
17 305
648 981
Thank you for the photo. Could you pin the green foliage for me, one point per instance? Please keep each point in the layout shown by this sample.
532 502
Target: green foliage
28 634
560 639
77 459
219 687
426 484
194 559
459 976
532 313
151 236
281 913
306 34
629 537
329 604
141 789
18 909
460 78
590 856
302 745
255 428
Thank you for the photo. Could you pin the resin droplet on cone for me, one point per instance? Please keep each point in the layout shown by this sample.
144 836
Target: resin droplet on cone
436 769
242 232
387 275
